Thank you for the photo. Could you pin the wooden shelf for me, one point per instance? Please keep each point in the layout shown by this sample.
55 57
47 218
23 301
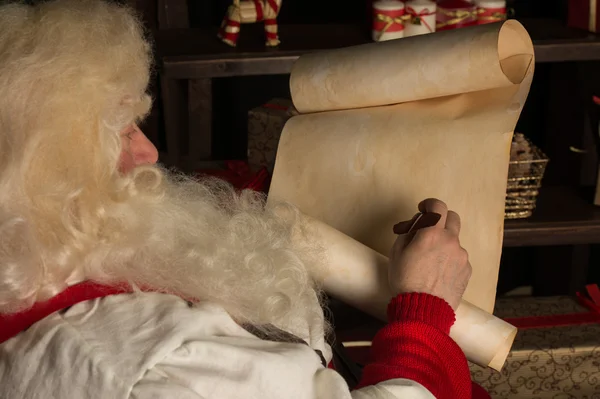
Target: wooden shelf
564 216
197 53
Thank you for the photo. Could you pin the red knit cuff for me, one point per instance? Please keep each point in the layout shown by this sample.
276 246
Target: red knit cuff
422 307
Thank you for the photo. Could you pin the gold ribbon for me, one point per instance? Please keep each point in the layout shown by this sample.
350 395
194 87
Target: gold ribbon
389 21
457 16
497 16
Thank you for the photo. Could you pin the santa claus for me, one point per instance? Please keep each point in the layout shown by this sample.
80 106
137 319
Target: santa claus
119 279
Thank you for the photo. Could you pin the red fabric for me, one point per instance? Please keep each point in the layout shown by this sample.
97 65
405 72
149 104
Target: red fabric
239 175
271 35
479 393
259 10
230 36
579 15
274 6
13 324
591 301
415 345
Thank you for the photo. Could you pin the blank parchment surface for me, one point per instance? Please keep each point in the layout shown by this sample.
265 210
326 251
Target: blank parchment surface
386 125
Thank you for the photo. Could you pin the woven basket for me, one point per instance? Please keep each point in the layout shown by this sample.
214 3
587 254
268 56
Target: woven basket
525 174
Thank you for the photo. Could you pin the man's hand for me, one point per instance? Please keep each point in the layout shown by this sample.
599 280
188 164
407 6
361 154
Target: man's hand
431 259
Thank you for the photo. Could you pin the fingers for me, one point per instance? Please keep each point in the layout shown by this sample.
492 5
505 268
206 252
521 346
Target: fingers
435 206
453 222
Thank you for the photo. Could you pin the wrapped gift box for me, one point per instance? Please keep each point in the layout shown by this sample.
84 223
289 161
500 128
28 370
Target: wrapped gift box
584 14
454 14
556 353
265 124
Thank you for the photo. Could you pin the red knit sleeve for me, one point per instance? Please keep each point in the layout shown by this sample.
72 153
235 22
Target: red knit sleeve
415 345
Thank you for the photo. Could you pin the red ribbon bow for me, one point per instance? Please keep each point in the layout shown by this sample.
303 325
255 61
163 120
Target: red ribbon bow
425 12
592 302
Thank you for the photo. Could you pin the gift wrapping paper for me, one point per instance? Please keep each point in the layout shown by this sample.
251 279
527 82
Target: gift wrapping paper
552 362
584 14
265 124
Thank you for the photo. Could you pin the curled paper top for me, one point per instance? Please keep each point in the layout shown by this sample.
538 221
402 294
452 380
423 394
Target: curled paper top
412 69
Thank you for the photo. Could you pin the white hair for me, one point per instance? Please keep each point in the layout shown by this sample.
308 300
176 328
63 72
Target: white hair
73 74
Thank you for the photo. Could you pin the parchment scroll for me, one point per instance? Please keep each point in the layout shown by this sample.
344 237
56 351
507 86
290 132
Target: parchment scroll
358 276
386 125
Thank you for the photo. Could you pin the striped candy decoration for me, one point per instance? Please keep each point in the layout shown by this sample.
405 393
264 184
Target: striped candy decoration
251 11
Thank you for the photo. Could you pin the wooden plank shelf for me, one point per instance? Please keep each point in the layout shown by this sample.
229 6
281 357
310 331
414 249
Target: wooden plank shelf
197 53
564 216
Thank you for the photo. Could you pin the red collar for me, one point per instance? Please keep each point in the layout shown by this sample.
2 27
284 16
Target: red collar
13 324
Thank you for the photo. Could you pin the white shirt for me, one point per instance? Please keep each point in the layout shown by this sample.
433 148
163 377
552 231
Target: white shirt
151 346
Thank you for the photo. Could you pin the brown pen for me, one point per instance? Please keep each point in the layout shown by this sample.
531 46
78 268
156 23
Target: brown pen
419 221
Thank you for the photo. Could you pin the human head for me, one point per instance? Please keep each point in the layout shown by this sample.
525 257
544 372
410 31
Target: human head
73 76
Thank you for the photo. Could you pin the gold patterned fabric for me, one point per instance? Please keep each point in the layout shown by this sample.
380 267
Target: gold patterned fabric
546 363
265 124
